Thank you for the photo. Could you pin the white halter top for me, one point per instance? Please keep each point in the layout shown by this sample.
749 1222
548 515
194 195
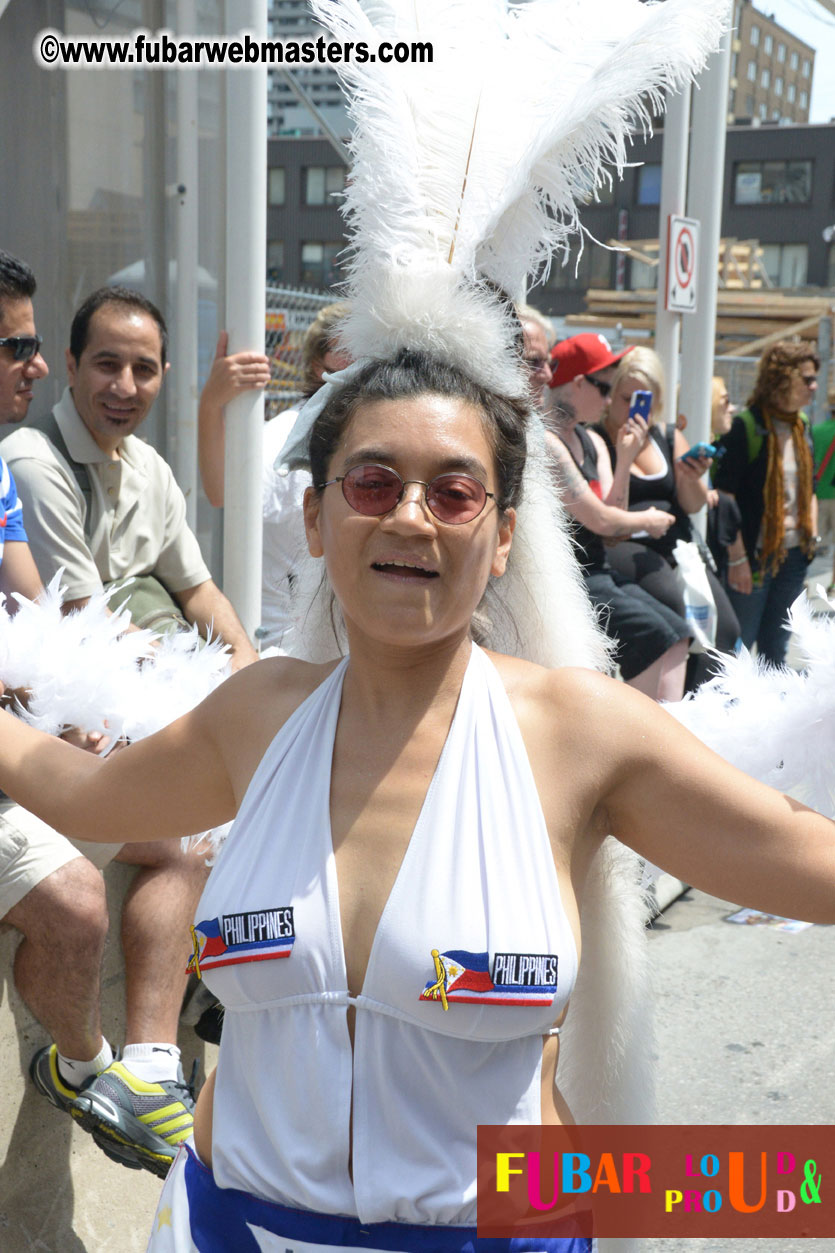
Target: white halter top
472 962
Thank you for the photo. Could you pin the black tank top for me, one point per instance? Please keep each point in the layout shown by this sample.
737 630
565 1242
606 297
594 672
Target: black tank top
591 551
658 492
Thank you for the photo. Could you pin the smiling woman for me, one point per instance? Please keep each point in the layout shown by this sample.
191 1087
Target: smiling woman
393 925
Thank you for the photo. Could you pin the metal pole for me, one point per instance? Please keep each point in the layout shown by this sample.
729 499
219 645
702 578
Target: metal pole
820 408
185 309
673 200
246 267
706 183
318 116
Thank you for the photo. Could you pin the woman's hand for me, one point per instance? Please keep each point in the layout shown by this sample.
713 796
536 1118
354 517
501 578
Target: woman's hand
658 522
631 438
740 578
229 376
695 467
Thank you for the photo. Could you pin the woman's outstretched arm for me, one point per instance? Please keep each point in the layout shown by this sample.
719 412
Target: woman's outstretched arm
676 802
186 778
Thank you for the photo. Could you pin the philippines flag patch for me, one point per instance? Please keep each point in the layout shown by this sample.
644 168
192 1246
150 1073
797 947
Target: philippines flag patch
516 979
258 935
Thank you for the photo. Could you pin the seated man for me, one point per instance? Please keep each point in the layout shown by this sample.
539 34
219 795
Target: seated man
47 887
104 505
99 501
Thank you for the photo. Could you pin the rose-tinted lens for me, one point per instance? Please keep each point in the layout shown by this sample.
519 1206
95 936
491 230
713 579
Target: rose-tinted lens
372 490
455 498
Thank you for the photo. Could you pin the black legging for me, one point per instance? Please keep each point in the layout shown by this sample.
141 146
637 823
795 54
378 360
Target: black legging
655 575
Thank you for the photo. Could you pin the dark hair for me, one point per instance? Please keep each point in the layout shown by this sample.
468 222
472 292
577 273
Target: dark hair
413 373
17 282
777 367
128 299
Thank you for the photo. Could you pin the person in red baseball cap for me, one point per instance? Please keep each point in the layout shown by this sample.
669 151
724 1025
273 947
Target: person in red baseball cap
580 359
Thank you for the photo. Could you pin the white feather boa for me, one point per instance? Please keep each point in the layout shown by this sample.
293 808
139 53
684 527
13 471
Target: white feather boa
87 670
472 166
778 725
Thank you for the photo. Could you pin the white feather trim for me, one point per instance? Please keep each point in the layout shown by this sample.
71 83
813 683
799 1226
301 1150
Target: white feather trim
87 670
472 166
777 725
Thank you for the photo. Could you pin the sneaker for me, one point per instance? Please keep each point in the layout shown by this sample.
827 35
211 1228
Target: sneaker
202 1011
43 1071
134 1122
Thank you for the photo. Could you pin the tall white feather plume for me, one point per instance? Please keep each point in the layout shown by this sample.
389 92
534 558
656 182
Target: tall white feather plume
471 167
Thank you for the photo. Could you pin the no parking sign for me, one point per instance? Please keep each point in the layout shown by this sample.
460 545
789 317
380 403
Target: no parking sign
682 248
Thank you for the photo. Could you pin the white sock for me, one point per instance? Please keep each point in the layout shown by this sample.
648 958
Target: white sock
152 1062
74 1072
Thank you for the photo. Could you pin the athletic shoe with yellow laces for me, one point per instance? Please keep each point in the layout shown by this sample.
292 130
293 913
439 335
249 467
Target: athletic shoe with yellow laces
137 1123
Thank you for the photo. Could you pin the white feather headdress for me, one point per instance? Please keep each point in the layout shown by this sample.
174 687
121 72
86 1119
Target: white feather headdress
470 168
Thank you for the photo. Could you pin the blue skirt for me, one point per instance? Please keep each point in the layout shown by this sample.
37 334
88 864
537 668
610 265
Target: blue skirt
194 1215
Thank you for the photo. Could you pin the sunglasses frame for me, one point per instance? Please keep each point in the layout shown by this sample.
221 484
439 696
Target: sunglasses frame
16 341
404 483
602 386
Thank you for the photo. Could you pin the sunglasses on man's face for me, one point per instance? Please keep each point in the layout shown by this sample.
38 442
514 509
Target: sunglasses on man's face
603 387
374 490
24 347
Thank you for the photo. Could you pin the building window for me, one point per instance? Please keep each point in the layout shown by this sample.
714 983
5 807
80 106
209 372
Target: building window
791 93
749 106
804 100
276 186
755 36
752 71
773 182
594 270
649 184
734 63
807 67
321 181
778 86
781 52
787 265
642 277
275 261
319 268
794 60
763 111
768 45
765 78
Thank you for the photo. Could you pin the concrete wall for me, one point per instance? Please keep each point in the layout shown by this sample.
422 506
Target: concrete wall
58 1191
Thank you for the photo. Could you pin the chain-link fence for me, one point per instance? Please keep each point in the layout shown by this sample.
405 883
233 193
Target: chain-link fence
290 311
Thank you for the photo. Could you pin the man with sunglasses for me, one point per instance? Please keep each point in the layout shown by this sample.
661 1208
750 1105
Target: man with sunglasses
103 505
51 894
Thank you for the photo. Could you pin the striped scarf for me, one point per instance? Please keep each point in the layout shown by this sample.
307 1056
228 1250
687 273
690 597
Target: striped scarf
774 515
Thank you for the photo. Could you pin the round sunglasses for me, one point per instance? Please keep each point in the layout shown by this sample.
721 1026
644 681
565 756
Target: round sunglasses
374 490
24 347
